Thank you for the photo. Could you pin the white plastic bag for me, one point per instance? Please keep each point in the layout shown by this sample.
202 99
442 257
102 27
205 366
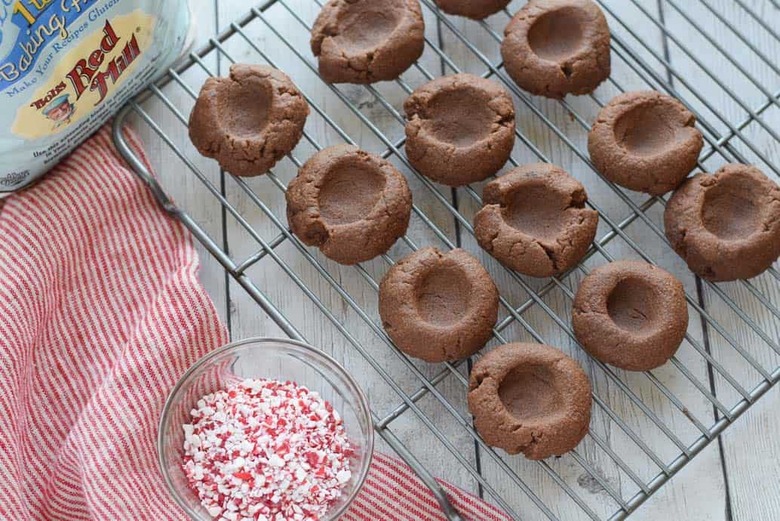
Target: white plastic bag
67 65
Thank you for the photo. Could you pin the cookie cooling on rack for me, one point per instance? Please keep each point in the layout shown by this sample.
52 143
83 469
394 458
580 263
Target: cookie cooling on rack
460 129
534 220
474 9
438 306
366 41
557 47
727 225
629 314
350 204
249 120
530 398
645 141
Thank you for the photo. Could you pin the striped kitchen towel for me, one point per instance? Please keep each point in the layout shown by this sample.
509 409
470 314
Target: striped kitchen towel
100 312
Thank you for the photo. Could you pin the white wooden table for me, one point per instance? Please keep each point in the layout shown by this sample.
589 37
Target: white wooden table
737 478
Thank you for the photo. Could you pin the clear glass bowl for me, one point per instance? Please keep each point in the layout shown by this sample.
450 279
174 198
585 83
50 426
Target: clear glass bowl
271 359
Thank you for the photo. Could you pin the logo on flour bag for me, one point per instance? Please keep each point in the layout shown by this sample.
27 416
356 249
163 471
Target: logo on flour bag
67 65
93 72
84 77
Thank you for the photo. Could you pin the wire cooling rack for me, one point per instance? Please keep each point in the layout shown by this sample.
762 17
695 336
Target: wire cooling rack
645 426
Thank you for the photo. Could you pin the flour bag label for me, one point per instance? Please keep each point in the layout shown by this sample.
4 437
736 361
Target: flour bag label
67 65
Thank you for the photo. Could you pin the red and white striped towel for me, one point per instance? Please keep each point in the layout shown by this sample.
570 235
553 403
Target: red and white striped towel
100 313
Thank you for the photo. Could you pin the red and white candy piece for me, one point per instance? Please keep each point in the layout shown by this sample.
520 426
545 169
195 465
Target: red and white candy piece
263 450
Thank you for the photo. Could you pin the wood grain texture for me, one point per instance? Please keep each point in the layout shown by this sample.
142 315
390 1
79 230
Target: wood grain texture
731 480
747 75
187 190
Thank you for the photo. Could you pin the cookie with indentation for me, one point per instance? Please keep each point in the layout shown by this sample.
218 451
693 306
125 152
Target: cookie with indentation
248 121
645 141
350 204
366 41
534 220
460 129
632 315
474 9
530 398
438 306
557 47
727 225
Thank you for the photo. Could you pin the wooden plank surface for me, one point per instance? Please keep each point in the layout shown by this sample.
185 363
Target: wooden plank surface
749 456
730 480
187 190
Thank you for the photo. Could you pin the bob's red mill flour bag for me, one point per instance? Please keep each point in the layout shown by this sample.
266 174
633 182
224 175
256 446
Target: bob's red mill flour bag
67 65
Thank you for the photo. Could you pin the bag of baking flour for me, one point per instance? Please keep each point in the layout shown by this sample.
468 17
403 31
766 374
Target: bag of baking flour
67 65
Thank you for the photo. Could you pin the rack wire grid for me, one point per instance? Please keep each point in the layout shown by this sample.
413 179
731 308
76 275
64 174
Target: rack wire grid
645 426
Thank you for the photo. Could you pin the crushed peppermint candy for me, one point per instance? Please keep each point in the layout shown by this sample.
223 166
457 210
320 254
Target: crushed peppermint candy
263 450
